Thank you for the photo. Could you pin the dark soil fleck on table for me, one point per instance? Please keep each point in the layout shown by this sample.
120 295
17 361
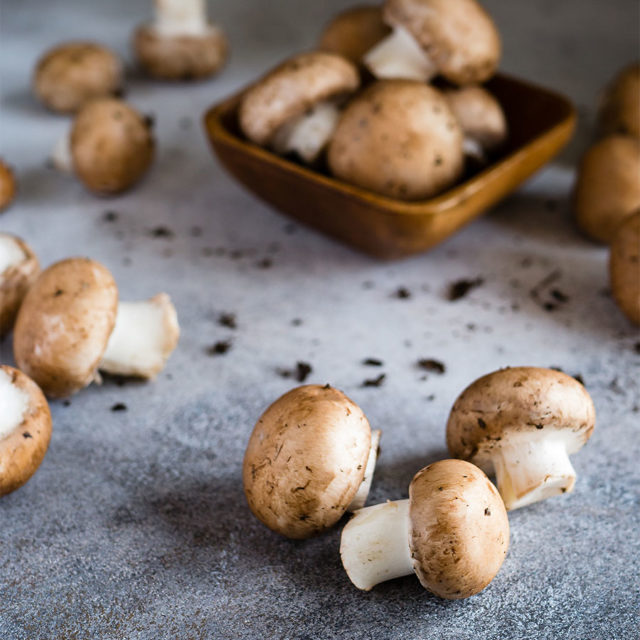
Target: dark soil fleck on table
110 216
375 382
296 322
119 406
228 320
402 293
300 373
435 366
161 232
265 263
372 362
461 288
219 348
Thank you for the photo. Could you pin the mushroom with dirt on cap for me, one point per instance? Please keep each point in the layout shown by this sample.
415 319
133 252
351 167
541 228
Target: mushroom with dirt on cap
19 269
620 105
624 267
522 423
310 458
456 39
453 532
181 43
25 428
7 186
71 325
296 106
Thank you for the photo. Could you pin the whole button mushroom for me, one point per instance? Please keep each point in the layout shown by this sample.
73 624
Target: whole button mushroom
522 423
620 107
72 74
607 188
398 138
453 532
453 38
25 428
7 186
295 107
624 267
70 325
310 458
181 43
19 269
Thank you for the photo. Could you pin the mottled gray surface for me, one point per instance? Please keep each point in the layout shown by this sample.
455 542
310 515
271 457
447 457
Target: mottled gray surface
136 526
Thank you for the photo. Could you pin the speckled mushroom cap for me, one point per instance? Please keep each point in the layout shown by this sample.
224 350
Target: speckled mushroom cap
517 400
70 75
305 460
459 36
112 146
459 530
620 107
22 448
398 138
7 186
353 32
624 267
64 325
291 89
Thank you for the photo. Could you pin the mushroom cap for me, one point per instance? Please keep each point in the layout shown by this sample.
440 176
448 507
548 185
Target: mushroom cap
71 74
7 186
291 89
624 267
64 325
607 188
479 114
517 400
15 279
398 138
353 32
620 106
180 57
459 531
112 146
23 445
305 460
459 36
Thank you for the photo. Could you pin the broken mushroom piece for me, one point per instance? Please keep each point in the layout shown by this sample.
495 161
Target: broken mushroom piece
70 325
398 138
7 186
19 269
25 428
295 107
620 106
309 459
523 423
624 267
70 75
453 38
181 43
453 532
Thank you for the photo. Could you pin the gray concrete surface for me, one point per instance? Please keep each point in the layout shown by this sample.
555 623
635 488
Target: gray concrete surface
136 527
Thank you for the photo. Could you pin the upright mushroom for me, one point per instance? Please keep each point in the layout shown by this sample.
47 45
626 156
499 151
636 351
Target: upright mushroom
620 105
453 38
523 423
309 459
453 532
70 325
181 43
398 138
7 186
295 107
25 428
624 267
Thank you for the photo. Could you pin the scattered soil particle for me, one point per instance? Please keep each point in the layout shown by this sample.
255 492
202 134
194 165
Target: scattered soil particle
435 366
161 232
300 373
228 320
296 322
110 216
430 398
149 121
368 284
219 348
461 288
576 376
66 403
265 263
119 406
372 362
402 293
375 382
547 297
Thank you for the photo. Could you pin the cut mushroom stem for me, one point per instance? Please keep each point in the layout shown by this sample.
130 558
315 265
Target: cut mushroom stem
375 544
528 470
399 55
144 336
363 491
180 17
61 157
15 402
11 253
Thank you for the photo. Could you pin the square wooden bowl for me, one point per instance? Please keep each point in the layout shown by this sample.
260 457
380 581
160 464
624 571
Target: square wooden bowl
540 124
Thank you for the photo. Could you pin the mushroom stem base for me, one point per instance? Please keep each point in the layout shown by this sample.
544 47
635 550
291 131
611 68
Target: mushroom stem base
180 17
360 498
375 544
61 156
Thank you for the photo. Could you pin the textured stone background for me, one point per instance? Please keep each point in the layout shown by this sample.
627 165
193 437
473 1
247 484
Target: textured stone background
136 526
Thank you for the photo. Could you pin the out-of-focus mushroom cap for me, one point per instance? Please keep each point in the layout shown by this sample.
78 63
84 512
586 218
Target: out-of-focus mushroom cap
7 186
624 267
620 107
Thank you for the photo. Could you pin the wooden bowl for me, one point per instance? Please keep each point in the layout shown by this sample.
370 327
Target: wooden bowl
540 124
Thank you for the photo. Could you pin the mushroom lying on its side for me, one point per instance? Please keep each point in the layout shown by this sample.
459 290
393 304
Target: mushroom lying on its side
25 428
624 267
453 532
620 106
310 458
7 186
522 423
70 325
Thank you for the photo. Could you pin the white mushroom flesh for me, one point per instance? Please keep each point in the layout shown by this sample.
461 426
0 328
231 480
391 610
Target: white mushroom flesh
14 403
144 336
180 17
308 134
61 157
363 491
399 55
375 544
11 253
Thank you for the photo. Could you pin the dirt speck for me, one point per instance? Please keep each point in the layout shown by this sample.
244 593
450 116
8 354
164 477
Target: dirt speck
460 288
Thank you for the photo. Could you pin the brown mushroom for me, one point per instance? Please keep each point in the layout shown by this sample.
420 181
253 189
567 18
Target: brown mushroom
620 106
624 267
7 186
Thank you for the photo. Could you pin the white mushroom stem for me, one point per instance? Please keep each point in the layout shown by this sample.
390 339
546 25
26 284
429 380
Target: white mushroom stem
308 134
11 253
400 56
14 403
363 491
61 157
375 544
531 469
144 336
180 17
